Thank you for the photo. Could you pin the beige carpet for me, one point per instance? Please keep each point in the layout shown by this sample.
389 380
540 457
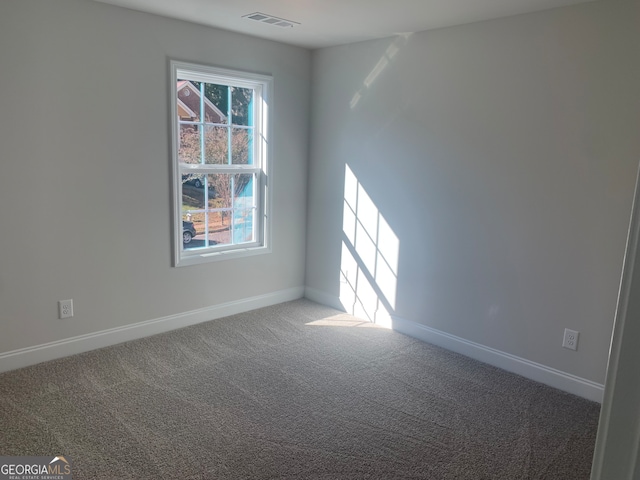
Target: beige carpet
292 391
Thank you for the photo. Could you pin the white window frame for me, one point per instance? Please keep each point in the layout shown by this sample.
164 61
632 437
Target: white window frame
262 87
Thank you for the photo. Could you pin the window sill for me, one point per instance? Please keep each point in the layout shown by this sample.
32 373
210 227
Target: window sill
206 257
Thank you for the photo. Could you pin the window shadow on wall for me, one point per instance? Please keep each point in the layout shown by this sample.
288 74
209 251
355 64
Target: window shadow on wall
369 257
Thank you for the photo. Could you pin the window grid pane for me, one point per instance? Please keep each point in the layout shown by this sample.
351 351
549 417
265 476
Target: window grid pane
220 119
222 210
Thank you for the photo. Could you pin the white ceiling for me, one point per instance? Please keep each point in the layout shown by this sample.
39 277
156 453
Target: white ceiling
325 23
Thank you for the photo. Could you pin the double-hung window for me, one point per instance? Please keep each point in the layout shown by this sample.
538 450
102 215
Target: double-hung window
220 148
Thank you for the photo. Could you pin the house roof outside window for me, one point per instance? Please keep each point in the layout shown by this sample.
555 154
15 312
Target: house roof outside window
189 105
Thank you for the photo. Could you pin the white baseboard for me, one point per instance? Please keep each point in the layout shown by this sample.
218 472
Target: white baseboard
83 343
521 366
512 363
323 298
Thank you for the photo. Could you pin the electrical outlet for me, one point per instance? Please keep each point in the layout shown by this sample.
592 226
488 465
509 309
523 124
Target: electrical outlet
65 308
570 339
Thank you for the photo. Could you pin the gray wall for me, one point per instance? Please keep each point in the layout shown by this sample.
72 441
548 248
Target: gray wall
502 155
85 168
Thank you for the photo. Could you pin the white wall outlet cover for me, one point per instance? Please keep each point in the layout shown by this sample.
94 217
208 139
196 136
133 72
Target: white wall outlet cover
570 339
65 308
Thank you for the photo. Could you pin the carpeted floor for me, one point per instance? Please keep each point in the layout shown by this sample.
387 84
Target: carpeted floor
292 391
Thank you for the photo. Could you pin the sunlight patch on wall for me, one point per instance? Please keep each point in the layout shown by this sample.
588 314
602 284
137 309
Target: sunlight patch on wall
384 62
369 259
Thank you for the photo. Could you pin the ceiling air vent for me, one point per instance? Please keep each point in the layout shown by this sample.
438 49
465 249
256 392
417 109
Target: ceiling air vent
270 19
